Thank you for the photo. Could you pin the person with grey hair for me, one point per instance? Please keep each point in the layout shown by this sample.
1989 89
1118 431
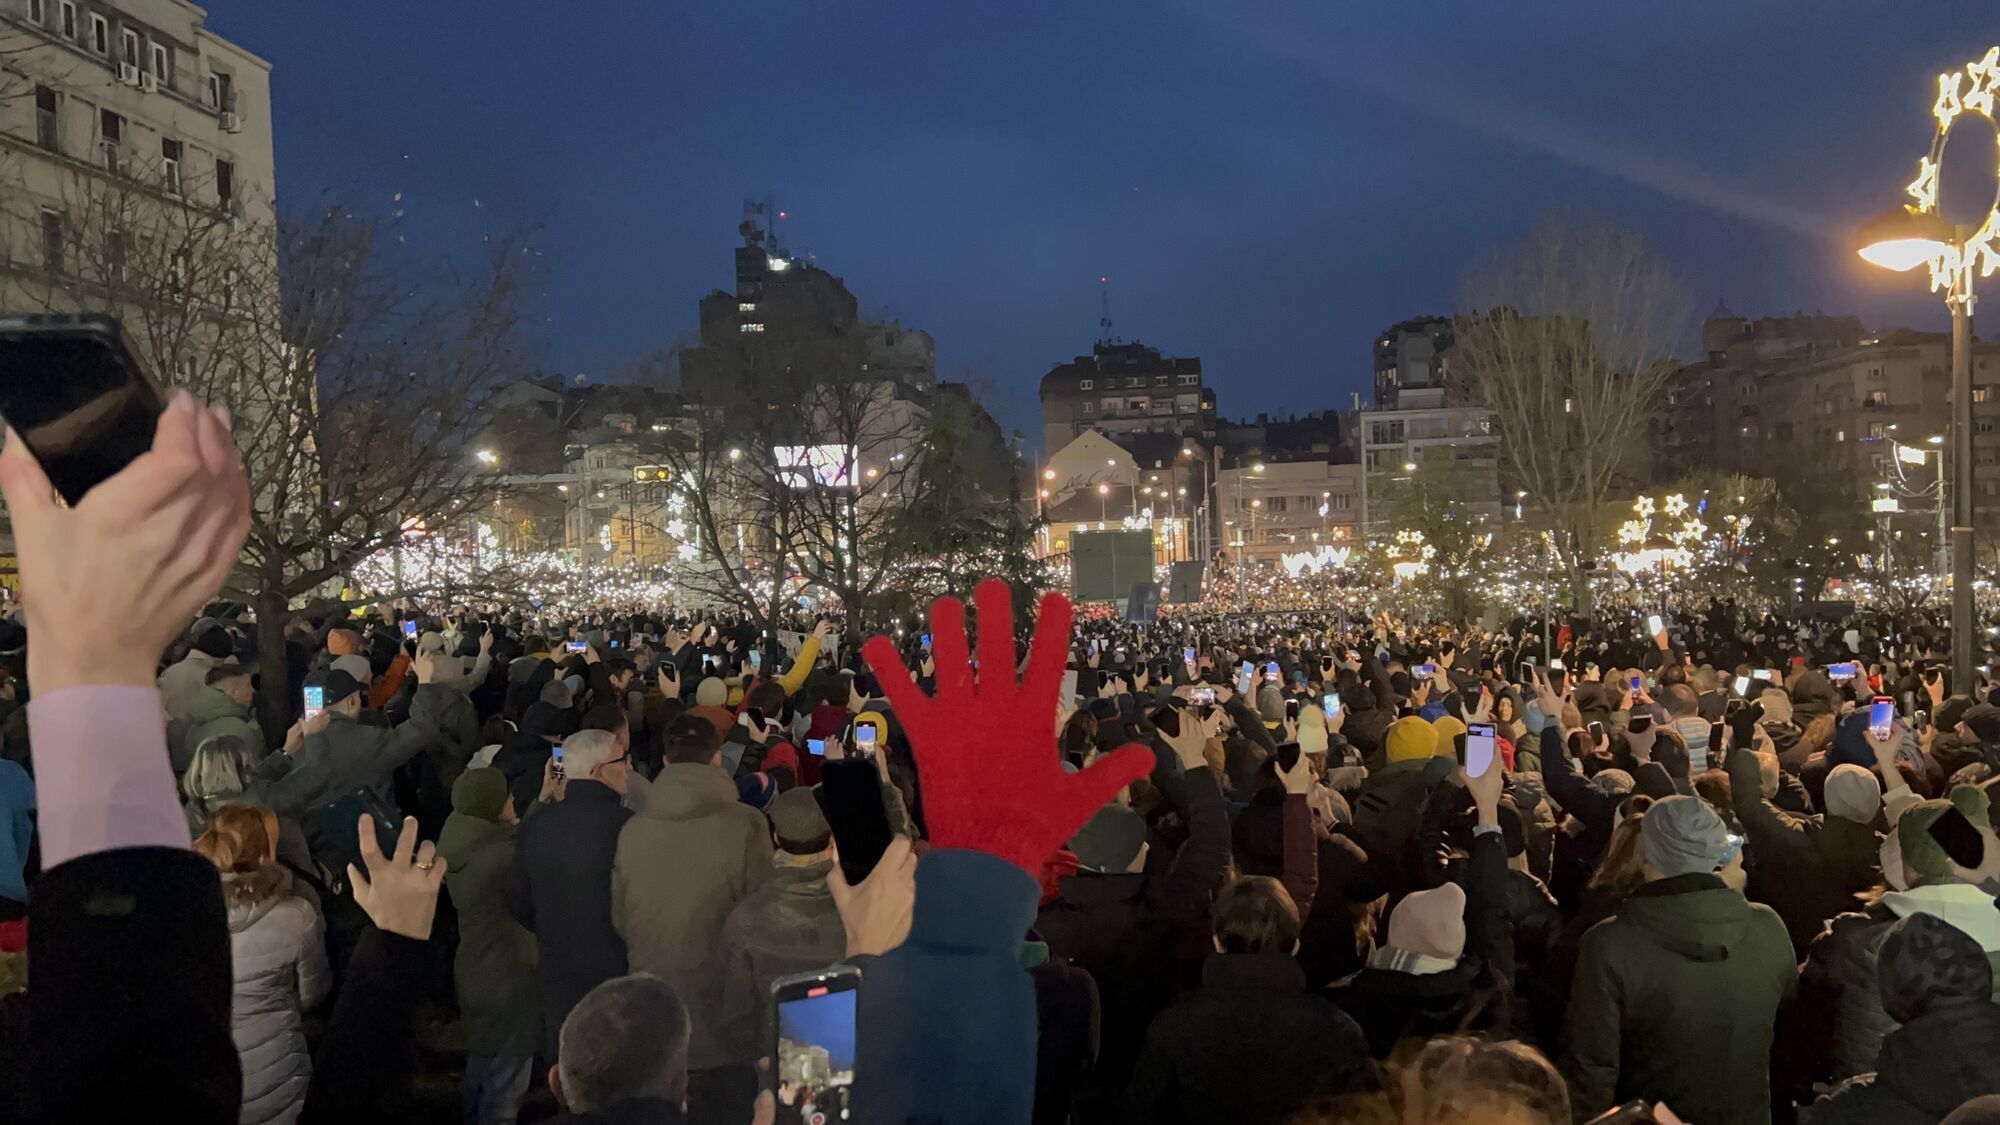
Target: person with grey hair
623 1053
1676 997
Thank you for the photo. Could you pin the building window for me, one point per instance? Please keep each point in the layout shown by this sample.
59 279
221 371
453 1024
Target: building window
130 40
163 64
170 164
66 14
1161 380
1982 426
46 133
1086 384
746 306
115 254
38 12
110 135
752 327
1982 394
1840 435
52 239
1877 398
1189 380
1277 503
225 182
100 34
1874 373
1090 408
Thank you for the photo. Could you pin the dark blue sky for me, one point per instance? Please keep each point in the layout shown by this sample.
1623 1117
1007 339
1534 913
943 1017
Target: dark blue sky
1265 184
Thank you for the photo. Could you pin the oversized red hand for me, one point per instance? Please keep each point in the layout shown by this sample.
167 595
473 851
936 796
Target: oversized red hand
986 754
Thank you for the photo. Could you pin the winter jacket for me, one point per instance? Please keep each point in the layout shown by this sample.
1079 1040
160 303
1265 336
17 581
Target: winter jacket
183 681
1839 989
1388 811
788 925
495 966
348 754
561 892
1674 1000
211 714
278 950
1250 1045
682 865
1067 1029
1808 868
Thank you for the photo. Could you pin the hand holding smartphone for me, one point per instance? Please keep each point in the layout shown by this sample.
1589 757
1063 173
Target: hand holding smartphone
813 1024
73 389
1481 748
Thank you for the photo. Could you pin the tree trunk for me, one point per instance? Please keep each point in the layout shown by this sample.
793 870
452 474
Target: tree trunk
275 688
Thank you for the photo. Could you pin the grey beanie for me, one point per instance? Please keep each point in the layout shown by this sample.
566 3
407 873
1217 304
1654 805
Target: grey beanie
1853 793
1682 836
1613 782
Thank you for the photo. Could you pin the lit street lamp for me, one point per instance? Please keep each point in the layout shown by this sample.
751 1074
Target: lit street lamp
1918 234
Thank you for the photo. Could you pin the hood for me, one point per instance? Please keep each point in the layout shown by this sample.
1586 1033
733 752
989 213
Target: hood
245 913
1966 907
688 790
463 834
210 704
1693 916
1928 1061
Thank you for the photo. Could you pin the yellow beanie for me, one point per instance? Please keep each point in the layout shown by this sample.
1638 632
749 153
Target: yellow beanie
1410 740
1448 729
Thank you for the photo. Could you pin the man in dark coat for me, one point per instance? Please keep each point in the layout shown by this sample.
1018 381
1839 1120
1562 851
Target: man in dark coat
562 880
1809 868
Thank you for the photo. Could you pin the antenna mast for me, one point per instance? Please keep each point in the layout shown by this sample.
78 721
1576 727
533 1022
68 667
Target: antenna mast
1104 311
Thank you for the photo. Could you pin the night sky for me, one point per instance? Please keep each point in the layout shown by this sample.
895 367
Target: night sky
1265 184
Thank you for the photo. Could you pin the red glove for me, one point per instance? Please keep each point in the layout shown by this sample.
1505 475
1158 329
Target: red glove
987 759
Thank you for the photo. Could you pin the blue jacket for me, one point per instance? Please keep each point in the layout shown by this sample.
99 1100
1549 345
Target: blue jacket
946 1022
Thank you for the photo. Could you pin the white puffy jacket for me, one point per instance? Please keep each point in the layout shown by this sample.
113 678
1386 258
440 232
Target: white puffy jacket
279 949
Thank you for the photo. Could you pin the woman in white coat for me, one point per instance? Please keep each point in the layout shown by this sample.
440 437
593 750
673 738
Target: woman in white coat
277 943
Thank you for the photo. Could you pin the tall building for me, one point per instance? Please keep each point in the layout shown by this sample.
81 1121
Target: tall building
1125 388
779 295
1410 355
119 118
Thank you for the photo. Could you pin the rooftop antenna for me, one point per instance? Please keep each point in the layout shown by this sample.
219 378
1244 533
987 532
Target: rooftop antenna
1104 313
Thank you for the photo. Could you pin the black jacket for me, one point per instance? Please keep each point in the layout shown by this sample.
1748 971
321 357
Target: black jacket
1927 1068
1809 868
1251 1045
562 894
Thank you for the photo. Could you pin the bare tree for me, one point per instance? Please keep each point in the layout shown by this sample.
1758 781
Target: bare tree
1571 354
357 374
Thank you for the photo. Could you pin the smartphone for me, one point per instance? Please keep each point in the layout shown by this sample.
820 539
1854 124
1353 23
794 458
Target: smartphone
555 756
1881 714
576 646
1557 664
1273 673
1292 709
1204 697
927 640
1187 657
1840 673
813 1025
1731 707
1596 731
864 737
1655 625
1329 705
1742 685
1732 848
1096 647
1288 757
1639 724
1069 688
410 628
754 719
1764 674
756 660
1479 749
1638 683
1959 839
1427 670
73 388
816 747
1244 676
315 700
851 797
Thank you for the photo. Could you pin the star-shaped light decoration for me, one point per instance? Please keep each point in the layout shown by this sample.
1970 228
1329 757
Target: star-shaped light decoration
1985 83
1643 506
1676 506
688 552
1948 105
677 528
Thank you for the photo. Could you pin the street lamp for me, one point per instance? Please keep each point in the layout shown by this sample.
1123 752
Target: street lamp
1918 234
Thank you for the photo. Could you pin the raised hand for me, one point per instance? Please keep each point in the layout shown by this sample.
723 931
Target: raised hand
400 892
986 755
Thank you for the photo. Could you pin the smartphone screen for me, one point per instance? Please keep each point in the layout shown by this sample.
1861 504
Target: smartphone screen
410 628
1654 625
1596 731
1639 724
813 1021
1846 671
927 640
864 736
1427 670
1273 673
1881 713
1243 677
315 700
76 393
1329 705
555 756
816 747
851 794
1069 688
1763 674
1187 657
1959 839
1479 749
1204 697
1292 709
576 646
1743 685
756 660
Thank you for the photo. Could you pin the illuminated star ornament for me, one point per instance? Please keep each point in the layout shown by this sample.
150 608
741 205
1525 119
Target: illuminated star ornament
1969 91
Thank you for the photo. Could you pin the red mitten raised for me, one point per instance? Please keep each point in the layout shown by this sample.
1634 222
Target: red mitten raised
986 753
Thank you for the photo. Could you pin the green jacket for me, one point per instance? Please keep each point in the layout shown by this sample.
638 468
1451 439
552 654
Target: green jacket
1674 1000
495 967
683 863
211 714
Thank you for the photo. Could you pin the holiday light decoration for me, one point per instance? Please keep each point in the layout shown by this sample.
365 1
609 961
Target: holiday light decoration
1970 90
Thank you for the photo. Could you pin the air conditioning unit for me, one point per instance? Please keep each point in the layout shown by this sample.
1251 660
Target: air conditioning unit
128 74
231 123
148 82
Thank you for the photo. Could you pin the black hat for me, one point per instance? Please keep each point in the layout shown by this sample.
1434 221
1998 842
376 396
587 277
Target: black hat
334 684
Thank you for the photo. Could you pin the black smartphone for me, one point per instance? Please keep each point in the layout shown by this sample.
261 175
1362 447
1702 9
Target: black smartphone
74 390
1959 839
1288 756
812 1024
850 793
1292 709
1639 724
1596 731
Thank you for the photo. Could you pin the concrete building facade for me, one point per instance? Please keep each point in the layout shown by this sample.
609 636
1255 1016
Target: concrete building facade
1126 388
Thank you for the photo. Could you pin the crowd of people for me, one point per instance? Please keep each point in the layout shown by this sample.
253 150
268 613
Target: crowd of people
1215 868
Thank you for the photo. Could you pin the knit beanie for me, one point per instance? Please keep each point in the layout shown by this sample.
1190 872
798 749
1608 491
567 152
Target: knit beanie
756 789
711 692
1919 849
356 665
1926 961
1682 836
1271 703
1109 840
432 641
342 642
215 641
1983 720
1777 705
1613 782
1448 728
1312 731
1853 793
1430 923
479 793
1410 739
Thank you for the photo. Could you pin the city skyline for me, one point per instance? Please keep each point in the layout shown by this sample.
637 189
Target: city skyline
1265 190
